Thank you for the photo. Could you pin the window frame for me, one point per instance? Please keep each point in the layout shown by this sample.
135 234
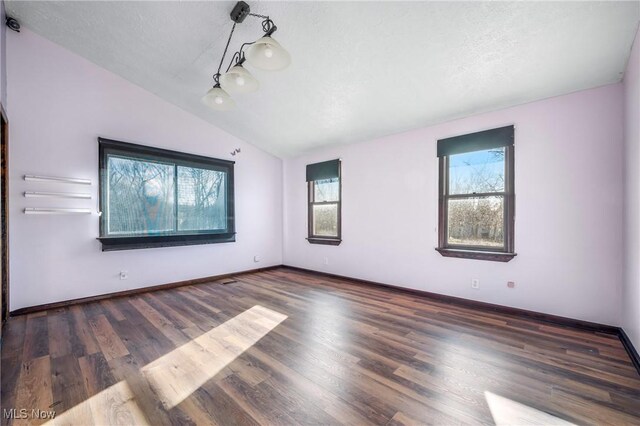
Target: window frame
323 239
502 254
109 147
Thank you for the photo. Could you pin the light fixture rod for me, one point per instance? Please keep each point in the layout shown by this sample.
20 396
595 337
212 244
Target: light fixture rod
215 77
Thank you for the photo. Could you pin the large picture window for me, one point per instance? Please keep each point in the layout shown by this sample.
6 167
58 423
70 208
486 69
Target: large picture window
151 197
476 195
324 192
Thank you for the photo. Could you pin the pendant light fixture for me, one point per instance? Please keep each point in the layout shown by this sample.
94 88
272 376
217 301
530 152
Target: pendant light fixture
239 80
265 53
216 98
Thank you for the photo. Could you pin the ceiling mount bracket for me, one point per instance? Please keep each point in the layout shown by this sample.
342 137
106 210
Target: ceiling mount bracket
240 11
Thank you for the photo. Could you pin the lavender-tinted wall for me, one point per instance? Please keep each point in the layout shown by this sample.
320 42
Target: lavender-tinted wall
568 182
631 293
60 103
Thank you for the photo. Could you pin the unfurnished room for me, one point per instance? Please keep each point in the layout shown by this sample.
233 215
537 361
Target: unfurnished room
320 212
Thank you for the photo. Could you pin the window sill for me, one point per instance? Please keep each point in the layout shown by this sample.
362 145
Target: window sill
477 255
132 243
325 241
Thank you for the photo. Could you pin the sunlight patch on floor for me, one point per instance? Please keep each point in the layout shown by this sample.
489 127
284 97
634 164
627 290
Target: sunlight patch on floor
508 412
115 405
179 373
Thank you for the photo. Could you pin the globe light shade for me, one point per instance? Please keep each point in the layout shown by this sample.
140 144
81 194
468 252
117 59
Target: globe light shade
218 99
239 80
267 54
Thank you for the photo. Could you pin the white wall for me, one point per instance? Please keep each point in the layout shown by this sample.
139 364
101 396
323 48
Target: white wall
631 293
60 103
568 167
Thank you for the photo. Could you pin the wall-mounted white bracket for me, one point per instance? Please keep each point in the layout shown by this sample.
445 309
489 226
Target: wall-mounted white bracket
41 210
37 178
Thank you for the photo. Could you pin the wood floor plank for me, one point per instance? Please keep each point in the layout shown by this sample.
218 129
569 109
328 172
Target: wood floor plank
69 388
83 341
142 339
219 407
109 342
12 349
34 390
115 405
291 347
255 402
59 333
127 369
96 373
288 377
36 338
159 321
113 310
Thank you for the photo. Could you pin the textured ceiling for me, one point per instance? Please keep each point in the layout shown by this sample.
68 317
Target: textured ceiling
360 69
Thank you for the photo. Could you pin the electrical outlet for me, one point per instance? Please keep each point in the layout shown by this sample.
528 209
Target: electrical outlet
475 283
256 259
326 260
124 275
511 284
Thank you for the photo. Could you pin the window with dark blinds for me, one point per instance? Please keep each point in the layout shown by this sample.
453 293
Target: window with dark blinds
477 201
324 203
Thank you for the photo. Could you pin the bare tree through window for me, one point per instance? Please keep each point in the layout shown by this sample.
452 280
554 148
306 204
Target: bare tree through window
201 203
326 195
140 197
476 206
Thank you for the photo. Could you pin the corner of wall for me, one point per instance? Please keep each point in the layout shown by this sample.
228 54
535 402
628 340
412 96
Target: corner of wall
631 132
285 214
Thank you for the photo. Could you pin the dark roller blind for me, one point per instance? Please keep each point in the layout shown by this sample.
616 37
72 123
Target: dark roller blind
494 138
325 170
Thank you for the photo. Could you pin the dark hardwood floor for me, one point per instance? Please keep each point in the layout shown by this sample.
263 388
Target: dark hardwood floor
289 347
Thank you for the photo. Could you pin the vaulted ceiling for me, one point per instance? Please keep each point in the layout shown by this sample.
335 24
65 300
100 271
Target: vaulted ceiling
359 70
